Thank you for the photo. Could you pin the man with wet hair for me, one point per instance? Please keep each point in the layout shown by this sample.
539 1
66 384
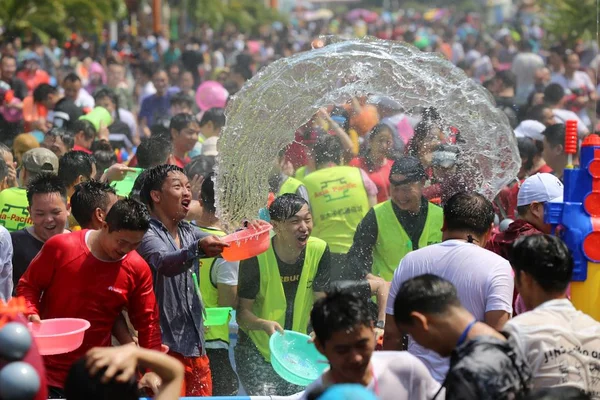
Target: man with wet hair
91 202
554 149
484 365
553 334
276 291
483 279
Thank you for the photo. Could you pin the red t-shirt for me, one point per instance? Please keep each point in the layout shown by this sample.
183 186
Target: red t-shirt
380 176
79 148
75 284
545 169
182 163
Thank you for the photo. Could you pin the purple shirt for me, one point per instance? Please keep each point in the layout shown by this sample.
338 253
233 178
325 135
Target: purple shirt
154 107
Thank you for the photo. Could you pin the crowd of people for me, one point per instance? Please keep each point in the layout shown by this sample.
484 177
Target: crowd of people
379 239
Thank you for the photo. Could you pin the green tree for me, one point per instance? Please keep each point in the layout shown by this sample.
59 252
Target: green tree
246 15
569 20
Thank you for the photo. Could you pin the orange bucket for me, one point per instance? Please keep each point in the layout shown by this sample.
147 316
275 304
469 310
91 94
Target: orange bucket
247 243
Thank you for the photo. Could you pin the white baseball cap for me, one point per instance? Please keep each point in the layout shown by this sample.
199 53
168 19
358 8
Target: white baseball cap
540 188
209 146
530 129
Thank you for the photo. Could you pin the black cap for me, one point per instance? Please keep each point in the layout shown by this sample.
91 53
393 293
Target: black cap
410 168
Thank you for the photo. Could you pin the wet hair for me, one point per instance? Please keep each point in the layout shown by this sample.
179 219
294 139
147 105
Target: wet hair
183 99
207 193
154 179
42 91
508 78
559 393
73 164
65 136
107 92
430 118
536 112
328 148
546 258
200 165
555 135
4 148
527 150
553 93
3 170
426 294
469 212
182 121
81 385
339 310
128 215
89 196
46 183
153 151
85 126
215 115
286 206
159 130
72 77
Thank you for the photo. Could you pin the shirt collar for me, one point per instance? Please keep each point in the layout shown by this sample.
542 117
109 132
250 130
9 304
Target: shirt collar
556 303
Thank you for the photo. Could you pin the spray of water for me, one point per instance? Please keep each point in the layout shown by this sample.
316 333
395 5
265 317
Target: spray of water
263 116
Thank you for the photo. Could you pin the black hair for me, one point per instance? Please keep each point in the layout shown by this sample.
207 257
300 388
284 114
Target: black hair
243 70
200 165
555 135
72 77
286 206
182 121
546 258
469 212
426 294
146 69
554 93
128 215
107 92
159 130
89 196
65 136
536 112
215 115
42 91
207 193
153 151
73 164
430 118
508 78
339 310
181 98
527 150
85 126
104 159
3 170
328 148
80 385
559 393
46 183
154 179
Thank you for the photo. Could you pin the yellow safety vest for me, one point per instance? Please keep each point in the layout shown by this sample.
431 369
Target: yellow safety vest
210 293
300 173
270 303
290 185
339 202
393 242
13 209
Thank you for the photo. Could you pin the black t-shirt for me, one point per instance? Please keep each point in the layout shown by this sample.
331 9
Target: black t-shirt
25 248
249 280
18 87
66 113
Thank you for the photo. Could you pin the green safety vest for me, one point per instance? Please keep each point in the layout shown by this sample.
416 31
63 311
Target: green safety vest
290 185
300 173
393 242
270 303
339 202
13 209
210 293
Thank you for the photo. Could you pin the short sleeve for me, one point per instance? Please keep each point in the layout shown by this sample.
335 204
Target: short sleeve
396 283
500 288
249 279
370 186
225 272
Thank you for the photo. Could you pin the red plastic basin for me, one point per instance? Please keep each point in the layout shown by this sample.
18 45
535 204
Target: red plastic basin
247 243
59 335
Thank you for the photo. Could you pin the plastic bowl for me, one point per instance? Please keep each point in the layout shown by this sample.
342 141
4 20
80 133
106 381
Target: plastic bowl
59 335
295 359
216 316
124 187
247 243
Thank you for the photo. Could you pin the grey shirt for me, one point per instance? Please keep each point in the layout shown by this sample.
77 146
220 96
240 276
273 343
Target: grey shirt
179 304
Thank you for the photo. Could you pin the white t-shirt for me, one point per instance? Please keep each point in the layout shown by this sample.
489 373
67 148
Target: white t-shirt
561 116
524 66
224 272
562 345
84 99
483 280
397 375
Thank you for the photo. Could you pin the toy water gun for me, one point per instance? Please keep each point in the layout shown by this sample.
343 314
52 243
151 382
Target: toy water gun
577 218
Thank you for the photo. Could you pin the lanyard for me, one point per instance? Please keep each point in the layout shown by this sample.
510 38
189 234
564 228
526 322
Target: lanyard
463 335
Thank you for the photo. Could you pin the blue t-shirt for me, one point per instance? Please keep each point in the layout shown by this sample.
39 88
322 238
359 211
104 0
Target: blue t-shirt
154 108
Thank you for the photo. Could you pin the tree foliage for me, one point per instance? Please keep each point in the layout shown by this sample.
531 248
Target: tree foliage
569 20
246 15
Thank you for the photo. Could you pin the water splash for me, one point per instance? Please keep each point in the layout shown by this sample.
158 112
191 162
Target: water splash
263 116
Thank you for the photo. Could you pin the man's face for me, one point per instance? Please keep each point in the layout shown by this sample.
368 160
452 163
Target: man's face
55 144
115 75
296 230
186 81
422 332
175 196
573 63
174 73
118 244
71 89
548 117
407 196
536 217
107 103
349 352
49 214
187 138
553 156
160 81
9 67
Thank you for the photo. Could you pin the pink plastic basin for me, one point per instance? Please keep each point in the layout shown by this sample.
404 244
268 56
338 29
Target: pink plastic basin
247 243
59 335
